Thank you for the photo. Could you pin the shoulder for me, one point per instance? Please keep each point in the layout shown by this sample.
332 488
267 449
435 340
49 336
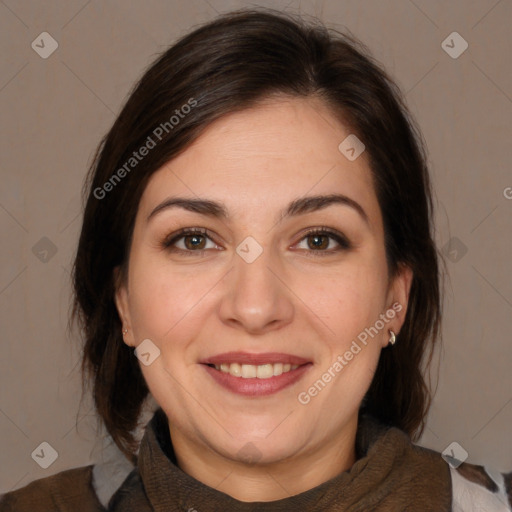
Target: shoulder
479 488
69 490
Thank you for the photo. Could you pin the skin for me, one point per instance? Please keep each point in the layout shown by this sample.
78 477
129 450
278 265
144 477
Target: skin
291 299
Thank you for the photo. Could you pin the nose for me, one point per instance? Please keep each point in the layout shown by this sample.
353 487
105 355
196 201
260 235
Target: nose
256 298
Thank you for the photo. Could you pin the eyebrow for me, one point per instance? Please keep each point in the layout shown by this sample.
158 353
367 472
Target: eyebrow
298 206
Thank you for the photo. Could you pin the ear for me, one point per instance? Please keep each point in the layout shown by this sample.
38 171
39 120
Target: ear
122 304
398 297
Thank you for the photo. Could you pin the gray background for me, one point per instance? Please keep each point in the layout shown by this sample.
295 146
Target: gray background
55 110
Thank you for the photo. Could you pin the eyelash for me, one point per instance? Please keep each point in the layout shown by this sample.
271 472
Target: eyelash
170 240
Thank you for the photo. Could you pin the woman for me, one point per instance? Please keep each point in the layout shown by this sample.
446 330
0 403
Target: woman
256 256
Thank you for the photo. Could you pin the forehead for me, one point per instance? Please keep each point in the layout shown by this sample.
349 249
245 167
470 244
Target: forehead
277 151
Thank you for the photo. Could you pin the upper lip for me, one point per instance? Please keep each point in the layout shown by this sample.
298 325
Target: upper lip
254 359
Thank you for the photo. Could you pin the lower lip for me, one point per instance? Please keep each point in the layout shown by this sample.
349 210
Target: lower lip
255 386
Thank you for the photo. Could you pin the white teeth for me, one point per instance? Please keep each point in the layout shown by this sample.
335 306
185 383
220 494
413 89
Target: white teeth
235 369
251 371
264 371
278 369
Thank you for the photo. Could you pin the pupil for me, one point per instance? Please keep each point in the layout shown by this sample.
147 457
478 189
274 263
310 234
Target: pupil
194 241
318 241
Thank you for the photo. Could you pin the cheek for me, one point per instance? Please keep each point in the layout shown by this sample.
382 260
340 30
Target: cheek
347 300
165 299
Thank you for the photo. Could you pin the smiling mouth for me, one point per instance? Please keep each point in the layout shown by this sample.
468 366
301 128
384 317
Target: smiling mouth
250 371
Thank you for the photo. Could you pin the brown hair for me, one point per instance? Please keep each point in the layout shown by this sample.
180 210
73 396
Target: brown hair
225 66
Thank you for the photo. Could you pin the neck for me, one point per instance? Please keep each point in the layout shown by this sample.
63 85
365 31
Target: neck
269 481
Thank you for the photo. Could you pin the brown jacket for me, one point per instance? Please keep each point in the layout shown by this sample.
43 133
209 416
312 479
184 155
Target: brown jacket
68 490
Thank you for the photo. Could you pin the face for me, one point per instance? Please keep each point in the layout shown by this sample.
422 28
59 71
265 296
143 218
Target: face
250 294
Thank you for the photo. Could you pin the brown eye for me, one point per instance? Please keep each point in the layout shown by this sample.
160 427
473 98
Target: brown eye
188 241
193 242
318 242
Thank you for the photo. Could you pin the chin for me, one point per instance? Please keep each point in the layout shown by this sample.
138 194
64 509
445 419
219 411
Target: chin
254 449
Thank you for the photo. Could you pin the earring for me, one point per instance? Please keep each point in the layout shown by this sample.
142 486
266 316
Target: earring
392 337
125 331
